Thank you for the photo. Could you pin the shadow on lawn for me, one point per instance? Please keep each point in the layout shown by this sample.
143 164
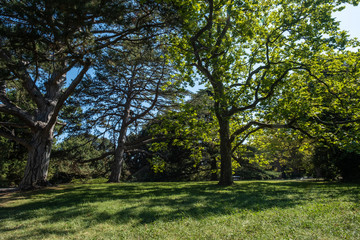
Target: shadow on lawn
165 201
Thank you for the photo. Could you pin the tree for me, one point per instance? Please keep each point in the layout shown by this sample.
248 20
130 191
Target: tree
41 41
247 52
131 85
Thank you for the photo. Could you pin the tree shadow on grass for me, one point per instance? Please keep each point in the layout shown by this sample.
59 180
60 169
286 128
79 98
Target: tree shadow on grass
144 203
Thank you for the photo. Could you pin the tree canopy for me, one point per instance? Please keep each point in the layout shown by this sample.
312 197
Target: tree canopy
266 64
41 41
249 53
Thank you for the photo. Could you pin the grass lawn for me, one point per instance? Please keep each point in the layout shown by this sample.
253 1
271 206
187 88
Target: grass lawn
191 210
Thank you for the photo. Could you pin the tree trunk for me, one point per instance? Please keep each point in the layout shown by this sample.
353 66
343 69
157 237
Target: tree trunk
118 164
37 166
225 153
214 172
117 167
120 149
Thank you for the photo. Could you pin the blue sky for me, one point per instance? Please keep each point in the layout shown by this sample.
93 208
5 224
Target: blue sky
350 20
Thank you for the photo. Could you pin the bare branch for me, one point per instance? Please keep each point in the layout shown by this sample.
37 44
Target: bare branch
154 101
58 74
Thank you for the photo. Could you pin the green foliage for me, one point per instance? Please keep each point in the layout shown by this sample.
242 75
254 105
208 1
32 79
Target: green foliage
190 140
41 42
14 156
283 151
326 107
259 55
72 158
267 64
12 162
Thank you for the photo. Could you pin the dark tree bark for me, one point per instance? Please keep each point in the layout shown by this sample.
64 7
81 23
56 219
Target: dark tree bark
225 152
117 168
37 166
118 164
42 124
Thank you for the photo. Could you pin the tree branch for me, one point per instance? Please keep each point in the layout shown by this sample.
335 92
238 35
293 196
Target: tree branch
335 122
19 70
97 158
67 93
261 125
245 137
15 138
10 108
234 109
142 142
17 125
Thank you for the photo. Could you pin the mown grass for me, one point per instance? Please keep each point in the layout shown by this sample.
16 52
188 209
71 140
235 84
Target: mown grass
193 210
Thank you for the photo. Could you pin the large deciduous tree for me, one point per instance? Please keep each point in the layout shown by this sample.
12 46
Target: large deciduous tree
41 41
248 52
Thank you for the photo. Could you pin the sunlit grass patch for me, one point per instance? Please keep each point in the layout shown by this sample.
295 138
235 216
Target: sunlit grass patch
193 210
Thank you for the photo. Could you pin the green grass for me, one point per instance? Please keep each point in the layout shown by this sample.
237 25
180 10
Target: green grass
193 210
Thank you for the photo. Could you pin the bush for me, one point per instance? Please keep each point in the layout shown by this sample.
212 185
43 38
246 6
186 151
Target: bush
334 163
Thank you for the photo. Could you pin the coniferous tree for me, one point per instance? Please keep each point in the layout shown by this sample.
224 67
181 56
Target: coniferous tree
41 41
132 84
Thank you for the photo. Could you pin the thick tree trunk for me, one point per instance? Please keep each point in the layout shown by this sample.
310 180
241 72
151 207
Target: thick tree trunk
120 149
118 164
36 170
225 153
